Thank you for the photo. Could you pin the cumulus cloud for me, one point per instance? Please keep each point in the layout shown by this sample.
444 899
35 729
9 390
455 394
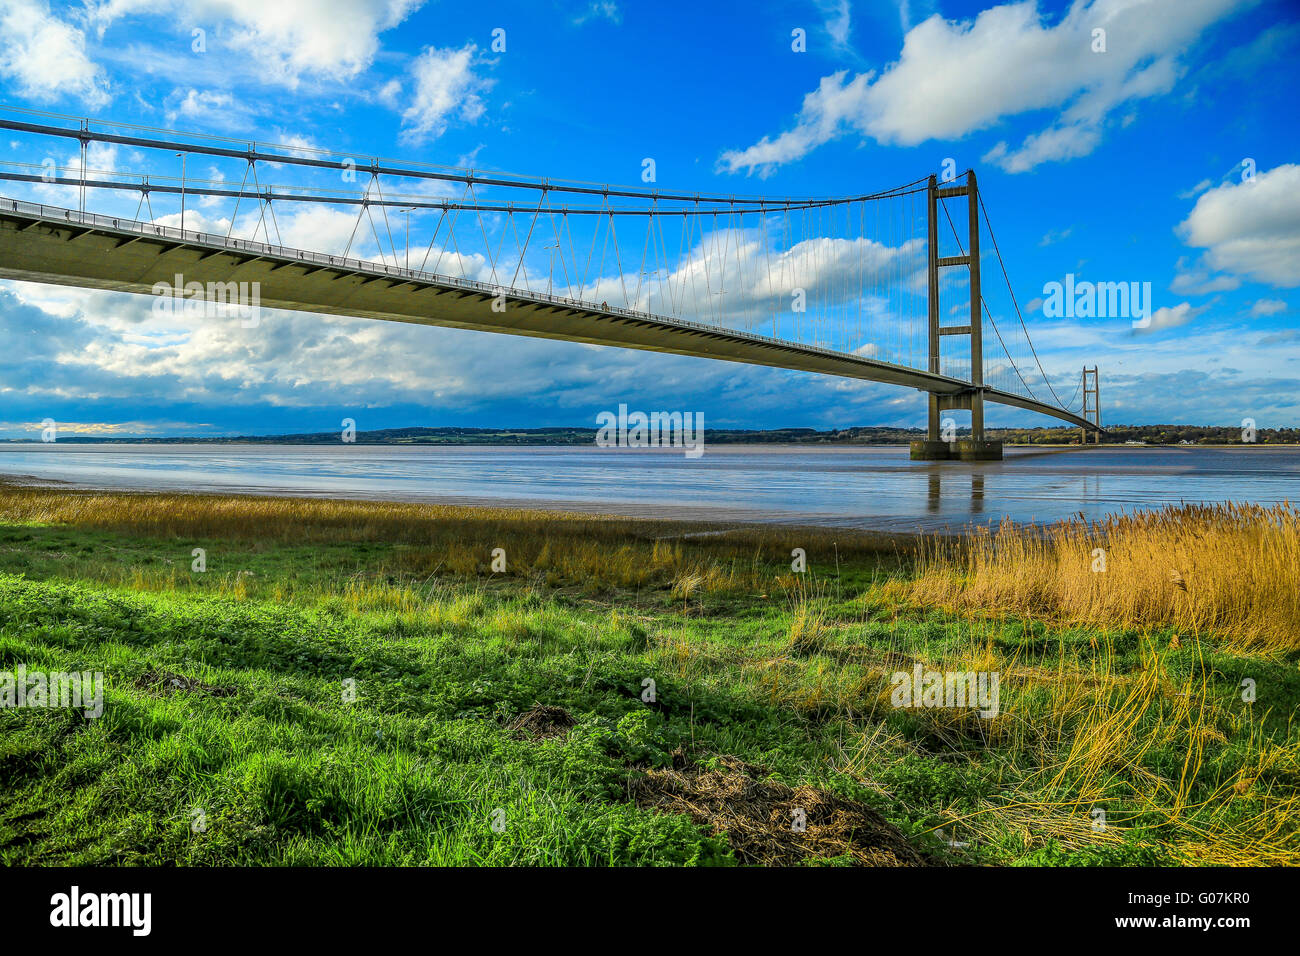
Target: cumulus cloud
85 355
75 368
1198 278
1251 229
287 39
45 56
1053 144
1267 307
737 279
1169 317
1195 394
954 77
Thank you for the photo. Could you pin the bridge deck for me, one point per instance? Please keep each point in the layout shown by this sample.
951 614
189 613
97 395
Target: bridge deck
65 247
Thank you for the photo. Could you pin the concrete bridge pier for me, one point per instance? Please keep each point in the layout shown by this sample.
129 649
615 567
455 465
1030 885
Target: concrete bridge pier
976 448
965 450
982 449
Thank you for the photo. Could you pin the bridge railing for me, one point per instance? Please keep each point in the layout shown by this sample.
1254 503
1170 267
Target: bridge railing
122 224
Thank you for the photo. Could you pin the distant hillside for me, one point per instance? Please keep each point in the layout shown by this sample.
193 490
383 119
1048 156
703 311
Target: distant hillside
1150 434
860 435
535 436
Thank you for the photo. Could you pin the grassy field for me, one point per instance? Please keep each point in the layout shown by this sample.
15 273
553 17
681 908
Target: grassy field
353 683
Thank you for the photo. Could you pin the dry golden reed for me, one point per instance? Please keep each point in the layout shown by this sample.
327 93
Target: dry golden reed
598 551
1231 569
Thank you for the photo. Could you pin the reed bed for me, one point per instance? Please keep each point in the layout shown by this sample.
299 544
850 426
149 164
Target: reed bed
599 552
1092 751
1232 569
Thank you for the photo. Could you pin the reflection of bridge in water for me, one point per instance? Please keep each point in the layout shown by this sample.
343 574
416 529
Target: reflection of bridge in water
972 482
933 502
848 286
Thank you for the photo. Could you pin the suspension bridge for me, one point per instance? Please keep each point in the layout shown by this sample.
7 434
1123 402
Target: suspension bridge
882 287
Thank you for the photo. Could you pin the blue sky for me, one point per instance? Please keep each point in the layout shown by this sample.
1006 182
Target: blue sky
1170 158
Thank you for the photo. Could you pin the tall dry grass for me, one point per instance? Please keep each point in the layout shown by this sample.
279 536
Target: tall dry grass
1231 569
1076 739
598 551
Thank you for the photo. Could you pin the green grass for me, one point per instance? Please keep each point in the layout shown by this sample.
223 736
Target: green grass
789 676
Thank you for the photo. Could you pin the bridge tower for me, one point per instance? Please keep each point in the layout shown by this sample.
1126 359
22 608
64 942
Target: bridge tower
977 447
1091 409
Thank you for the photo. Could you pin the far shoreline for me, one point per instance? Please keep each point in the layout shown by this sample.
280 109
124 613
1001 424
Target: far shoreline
209 442
27 444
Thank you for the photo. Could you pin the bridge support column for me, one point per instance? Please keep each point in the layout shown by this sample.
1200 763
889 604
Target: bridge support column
932 243
976 312
976 448
1091 409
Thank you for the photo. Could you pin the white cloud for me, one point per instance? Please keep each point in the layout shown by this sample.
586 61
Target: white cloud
824 112
1198 278
287 39
1169 317
838 21
390 93
296 144
1251 229
952 78
1053 144
322 229
1196 190
101 159
302 361
600 10
202 108
445 87
46 56
1267 307
904 15
1077 131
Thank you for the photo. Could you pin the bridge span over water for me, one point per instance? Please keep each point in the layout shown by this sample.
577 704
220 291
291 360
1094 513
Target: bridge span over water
826 285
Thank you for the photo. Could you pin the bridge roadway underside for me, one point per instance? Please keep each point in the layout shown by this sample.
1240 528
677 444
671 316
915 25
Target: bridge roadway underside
65 248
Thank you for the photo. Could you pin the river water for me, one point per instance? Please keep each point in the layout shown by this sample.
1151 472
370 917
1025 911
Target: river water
860 487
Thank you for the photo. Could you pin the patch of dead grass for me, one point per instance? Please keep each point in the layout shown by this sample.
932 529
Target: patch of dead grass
758 817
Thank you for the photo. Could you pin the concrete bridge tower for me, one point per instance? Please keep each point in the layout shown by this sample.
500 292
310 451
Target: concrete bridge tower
936 447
